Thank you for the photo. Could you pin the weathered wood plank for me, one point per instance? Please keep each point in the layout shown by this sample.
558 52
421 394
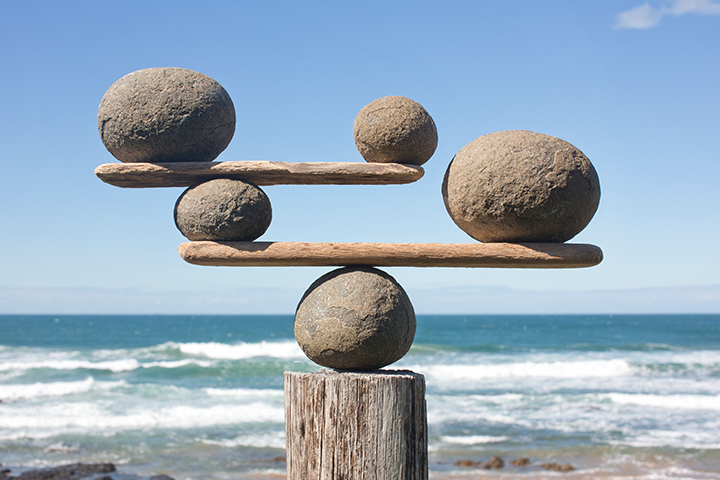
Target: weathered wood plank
184 174
359 426
470 255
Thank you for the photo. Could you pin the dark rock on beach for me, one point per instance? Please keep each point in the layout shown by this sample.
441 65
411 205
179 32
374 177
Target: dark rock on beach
557 467
75 471
520 462
467 463
495 462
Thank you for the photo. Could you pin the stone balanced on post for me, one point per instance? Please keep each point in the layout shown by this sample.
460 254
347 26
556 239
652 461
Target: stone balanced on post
355 420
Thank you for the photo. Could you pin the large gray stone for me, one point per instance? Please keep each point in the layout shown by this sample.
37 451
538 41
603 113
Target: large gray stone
395 130
223 209
163 115
519 186
355 318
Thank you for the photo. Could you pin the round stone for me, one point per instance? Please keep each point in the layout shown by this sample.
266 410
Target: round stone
163 115
223 209
519 186
395 130
355 318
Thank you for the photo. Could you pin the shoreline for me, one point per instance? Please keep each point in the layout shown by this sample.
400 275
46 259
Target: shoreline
466 469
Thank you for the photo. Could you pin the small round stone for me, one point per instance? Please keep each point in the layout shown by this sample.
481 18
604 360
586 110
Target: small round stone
160 115
355 318
395 130
520 186
223 209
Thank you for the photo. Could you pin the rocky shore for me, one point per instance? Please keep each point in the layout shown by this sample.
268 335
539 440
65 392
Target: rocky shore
76 471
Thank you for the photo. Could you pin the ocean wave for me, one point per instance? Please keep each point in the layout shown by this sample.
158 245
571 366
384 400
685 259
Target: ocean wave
54 389
673 401
241 351
444 374
245 393
472 439
266 440
93 418
115 366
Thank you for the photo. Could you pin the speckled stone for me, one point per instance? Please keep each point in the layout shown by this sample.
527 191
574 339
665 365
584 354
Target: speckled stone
223 209
395 130
163 115
355 318
519 186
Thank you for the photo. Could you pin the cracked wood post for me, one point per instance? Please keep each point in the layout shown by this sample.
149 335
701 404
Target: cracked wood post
356 426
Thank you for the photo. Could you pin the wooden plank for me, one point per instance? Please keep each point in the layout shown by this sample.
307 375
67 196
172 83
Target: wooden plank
471 255
359 426
184 174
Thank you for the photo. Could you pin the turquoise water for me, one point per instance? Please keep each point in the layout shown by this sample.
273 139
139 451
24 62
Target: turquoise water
201 396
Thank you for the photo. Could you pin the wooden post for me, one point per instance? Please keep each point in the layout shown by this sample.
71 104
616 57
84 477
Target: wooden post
356 426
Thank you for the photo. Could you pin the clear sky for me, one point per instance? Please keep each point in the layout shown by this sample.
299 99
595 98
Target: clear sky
635 86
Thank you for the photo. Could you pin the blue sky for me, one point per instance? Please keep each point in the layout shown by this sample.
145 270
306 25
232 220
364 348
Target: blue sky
635 86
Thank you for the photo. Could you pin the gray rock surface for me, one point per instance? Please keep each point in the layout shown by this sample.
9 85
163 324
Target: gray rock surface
223 209
519 186
355 318
75 471
395 130
162 115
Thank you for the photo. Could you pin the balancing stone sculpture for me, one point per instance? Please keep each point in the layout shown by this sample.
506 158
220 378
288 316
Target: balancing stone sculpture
523 192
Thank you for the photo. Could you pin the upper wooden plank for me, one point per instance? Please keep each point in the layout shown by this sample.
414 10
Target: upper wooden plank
184 174
470 255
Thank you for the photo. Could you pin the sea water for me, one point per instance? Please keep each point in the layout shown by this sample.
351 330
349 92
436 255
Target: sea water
200 397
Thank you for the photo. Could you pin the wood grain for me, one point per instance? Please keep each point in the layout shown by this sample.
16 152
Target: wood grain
148 175
470 255
359 426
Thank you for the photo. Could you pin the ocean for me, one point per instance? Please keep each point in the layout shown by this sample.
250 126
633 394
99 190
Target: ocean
200 397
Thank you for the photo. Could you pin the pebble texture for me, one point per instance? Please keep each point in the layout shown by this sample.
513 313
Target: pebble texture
355 318
519 186
223 209
161 115
395 130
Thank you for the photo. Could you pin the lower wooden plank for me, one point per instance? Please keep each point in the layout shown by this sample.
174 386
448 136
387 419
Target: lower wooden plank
470 255
184 174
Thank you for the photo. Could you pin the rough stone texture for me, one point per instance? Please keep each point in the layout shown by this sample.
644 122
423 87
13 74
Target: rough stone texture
223 209
519 186
495 462
163 115
75 471
395 130
355 318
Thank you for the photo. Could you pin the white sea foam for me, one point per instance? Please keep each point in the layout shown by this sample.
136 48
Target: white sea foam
245 393
103 418
672 438
447 375
113 366
677 401
282 349
53 389
266 440
472 439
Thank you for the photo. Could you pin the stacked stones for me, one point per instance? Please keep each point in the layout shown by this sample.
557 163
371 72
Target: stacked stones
166 115
354 318
360 318
514 186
